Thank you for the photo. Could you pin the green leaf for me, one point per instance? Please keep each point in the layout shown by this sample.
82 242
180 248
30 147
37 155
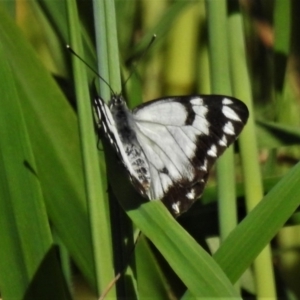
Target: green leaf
192 264
272 135
26 239
260 226
53 131
151 281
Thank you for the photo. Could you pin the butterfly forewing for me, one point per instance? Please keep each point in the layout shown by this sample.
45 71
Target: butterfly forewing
189 133
168 145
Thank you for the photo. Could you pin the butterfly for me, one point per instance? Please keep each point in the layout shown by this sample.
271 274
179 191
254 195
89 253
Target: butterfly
169 145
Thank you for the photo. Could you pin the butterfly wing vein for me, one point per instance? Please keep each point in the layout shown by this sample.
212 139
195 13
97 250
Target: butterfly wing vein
176 141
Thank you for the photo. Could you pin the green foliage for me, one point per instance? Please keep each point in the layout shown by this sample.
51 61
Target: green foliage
53 186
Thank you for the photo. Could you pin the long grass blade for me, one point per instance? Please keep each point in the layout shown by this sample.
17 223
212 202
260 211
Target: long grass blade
97 206
249 152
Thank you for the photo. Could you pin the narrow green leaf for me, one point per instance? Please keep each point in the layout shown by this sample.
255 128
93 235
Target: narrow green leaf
98 210
24 228
221 84
241 86
53 131
162 26
273 135
192 264
151 281
260 226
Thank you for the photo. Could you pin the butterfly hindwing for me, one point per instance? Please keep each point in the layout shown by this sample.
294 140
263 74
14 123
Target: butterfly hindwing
168 145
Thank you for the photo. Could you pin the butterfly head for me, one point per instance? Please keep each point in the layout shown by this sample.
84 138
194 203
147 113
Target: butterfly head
117 100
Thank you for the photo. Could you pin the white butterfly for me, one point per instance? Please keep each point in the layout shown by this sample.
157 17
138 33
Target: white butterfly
168 145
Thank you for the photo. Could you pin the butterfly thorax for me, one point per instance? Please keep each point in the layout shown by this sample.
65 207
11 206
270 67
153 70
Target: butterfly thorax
123 119
126 128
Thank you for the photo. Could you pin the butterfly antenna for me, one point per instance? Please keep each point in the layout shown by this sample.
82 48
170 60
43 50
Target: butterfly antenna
142 55
91 68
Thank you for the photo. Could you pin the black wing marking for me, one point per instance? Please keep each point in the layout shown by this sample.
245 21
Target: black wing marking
182 137
177 139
